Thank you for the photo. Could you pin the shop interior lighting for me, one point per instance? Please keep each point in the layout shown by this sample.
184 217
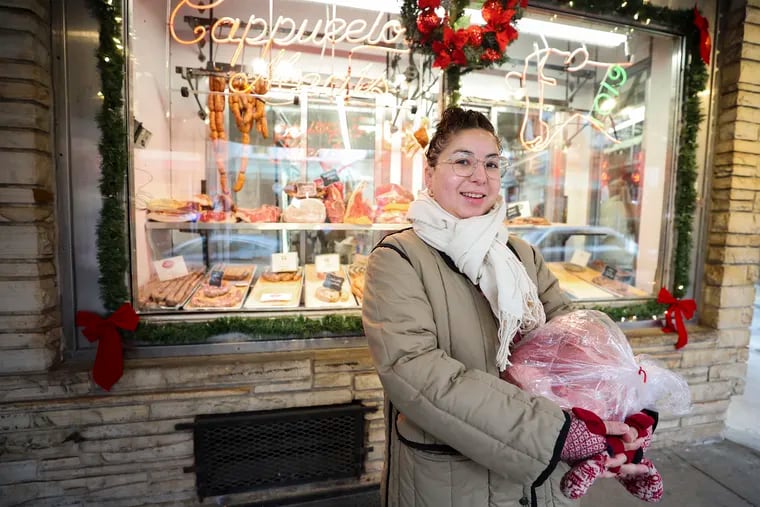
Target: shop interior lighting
601 38
571 33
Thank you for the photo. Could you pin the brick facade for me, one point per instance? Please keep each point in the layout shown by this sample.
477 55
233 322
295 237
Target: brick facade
63 440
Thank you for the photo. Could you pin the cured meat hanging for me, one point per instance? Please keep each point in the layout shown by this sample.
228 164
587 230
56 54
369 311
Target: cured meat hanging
242 107
217 86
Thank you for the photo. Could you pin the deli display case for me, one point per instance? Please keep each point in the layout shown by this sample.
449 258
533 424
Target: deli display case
286 205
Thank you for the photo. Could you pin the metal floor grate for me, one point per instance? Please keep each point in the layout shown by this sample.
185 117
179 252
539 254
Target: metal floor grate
248 451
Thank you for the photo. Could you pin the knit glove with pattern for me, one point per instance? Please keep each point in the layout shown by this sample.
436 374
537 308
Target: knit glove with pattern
585 438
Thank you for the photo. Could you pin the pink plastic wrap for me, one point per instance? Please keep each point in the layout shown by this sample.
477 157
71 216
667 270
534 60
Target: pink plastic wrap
583 359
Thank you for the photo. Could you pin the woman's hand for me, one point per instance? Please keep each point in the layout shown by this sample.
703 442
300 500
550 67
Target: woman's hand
629 435
588 435
626 469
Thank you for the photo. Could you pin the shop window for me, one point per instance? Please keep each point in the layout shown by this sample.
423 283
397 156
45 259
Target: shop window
314 149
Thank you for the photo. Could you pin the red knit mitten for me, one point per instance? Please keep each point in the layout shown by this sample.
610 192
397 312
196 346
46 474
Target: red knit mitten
643 424
585 437
581 476
646 486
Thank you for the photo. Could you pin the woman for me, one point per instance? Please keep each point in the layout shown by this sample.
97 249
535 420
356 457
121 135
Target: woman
443 301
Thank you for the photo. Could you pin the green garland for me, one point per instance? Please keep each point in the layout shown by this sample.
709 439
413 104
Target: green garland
111 235
111 230
279 328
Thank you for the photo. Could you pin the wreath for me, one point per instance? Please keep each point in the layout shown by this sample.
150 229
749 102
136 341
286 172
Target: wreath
457 47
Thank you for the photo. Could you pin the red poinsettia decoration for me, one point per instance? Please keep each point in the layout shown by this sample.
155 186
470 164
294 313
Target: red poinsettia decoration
499 21
453 43
450 50
429 4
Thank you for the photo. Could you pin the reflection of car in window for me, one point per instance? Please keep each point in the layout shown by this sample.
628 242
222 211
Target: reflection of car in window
558 243
226 248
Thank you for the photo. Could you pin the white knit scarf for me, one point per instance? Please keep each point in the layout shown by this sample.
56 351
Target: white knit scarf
478 247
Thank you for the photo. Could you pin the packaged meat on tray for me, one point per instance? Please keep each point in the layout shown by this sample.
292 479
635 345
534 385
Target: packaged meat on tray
276 290
319 294
224 287
168 294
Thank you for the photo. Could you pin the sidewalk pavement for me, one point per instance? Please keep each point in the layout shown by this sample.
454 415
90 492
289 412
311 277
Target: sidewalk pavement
723 474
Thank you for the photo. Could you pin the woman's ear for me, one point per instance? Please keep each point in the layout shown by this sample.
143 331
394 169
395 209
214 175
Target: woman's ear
428 176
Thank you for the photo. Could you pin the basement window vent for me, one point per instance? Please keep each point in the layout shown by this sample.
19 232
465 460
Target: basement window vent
248 451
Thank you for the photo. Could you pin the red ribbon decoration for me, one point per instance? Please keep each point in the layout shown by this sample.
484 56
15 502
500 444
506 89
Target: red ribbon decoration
705 43
680 308
109 360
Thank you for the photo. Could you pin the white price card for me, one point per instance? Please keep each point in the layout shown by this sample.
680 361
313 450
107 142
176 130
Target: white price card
170 268
284 262
580 258
327 263
278 297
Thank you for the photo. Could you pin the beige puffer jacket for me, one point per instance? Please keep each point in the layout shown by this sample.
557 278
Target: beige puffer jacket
456 434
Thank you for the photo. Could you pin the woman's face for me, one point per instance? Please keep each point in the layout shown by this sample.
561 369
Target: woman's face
465 196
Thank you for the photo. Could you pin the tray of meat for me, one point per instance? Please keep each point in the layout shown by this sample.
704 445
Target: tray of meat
327 290
276 290
225 287
168 294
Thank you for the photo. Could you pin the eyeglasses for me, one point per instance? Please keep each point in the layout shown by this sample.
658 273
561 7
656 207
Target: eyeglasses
465 165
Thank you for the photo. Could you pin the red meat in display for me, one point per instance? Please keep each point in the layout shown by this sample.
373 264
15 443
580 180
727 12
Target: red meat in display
217 217
265 213
334 205
357 210
392 193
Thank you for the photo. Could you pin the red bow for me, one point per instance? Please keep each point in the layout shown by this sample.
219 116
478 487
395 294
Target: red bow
680 308
705 43
109 360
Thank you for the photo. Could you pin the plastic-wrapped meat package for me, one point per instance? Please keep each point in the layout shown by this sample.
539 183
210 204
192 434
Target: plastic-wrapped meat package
583 359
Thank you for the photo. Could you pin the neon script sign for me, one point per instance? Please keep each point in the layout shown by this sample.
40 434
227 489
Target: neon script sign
284 31
574 61
614 79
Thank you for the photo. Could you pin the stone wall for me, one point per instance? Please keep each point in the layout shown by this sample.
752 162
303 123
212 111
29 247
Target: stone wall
29 321
65 441
733 232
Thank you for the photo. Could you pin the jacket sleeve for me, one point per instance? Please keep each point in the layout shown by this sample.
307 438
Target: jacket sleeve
483 417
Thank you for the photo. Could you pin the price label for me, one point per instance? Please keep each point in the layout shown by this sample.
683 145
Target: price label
333 282
279 297
287 261
580 257
215 278
330 177
170 268
306 190
513 211
327 263
609 272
